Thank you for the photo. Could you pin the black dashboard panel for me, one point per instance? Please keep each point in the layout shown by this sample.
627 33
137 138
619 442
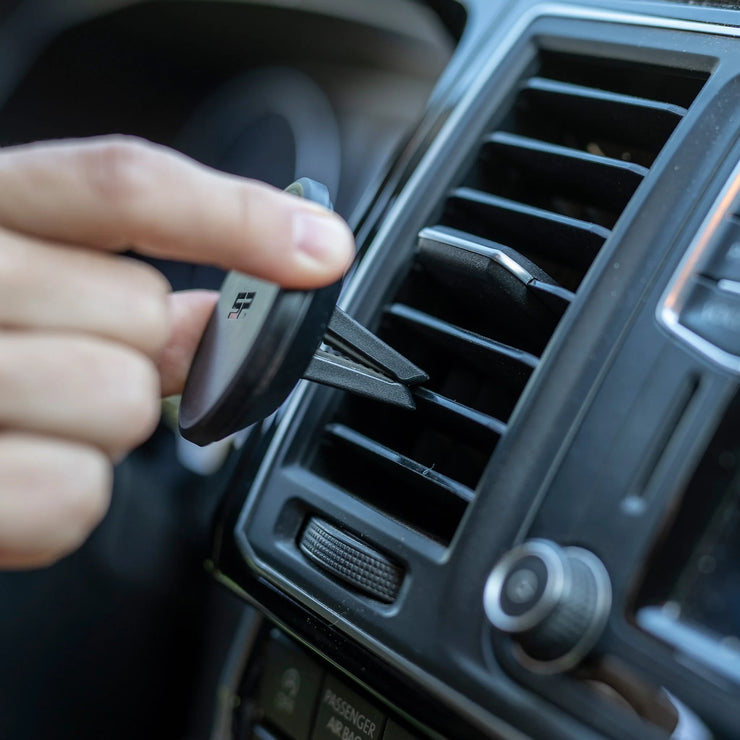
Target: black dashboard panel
599 448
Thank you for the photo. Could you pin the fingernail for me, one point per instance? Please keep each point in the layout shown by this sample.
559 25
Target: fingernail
324 238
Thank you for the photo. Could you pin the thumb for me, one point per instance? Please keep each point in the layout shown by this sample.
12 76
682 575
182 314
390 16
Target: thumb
190 311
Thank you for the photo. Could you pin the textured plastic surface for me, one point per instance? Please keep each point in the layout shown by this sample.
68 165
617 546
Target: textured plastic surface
354 562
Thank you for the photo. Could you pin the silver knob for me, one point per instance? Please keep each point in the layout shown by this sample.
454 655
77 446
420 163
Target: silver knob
553 601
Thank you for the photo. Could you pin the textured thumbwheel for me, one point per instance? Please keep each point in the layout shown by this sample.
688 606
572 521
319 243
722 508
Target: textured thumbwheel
349 559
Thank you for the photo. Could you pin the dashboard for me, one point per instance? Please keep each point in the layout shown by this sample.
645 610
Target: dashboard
546 202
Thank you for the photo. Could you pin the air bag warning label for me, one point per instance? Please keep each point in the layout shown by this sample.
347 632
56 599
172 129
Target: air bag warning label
343 715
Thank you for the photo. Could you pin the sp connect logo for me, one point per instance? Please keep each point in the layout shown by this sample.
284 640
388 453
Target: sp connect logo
242 302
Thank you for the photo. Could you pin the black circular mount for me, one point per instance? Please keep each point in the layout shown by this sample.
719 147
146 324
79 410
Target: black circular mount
255 348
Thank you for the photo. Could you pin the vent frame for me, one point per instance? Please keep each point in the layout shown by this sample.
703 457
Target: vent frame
398 435
324 403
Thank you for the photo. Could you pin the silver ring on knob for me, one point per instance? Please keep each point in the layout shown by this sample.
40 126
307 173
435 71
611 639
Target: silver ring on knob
557 563
554 586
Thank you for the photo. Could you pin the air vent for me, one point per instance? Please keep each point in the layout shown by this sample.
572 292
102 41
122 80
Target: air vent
491 279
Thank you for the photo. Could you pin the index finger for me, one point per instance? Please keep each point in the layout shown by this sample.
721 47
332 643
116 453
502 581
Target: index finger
118 193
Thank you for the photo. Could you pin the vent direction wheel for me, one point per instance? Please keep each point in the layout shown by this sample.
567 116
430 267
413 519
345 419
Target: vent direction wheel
351 560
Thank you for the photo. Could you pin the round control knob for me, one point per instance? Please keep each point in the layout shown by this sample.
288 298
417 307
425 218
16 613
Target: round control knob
554 602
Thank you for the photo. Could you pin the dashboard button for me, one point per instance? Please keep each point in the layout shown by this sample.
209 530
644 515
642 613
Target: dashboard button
725 260
289 688
713 314
396 732
343 715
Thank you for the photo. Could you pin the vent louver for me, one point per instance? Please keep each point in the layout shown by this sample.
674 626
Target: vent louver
491 279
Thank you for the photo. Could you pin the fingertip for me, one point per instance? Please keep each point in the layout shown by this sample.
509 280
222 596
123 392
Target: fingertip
323 246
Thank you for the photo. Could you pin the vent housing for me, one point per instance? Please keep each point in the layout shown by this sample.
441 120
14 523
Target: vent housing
492 276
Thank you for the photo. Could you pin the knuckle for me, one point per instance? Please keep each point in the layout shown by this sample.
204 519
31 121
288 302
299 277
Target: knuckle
152 310
86 495
152 279
14 266
118 168
156 323
138 400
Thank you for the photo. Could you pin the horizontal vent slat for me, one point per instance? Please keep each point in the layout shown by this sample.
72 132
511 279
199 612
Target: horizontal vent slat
534 152
481 373
404 466
461 420
593 120
427 435
467 344
410 492
540 172
547 238
588 236
670 84
560 298
582 92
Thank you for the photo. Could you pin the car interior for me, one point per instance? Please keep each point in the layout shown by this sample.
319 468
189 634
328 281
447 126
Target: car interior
544 542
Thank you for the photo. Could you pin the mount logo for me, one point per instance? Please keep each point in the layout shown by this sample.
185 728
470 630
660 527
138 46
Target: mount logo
241 303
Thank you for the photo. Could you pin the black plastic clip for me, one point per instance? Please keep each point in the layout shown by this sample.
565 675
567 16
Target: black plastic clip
358 361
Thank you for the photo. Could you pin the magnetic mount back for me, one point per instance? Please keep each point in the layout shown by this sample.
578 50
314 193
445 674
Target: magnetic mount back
256 346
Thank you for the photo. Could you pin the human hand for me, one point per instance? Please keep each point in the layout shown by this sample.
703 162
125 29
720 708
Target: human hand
90 340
